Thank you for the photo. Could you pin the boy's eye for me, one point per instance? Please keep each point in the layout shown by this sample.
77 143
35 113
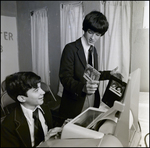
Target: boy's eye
36 89
97 34
90 32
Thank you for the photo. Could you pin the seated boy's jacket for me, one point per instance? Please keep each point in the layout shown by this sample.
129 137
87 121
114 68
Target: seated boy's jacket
15 131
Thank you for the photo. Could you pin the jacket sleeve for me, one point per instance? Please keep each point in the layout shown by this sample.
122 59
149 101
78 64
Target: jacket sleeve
9 138
105 75
67 73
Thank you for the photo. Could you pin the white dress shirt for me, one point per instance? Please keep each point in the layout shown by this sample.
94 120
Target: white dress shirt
86 49
89 100
29 116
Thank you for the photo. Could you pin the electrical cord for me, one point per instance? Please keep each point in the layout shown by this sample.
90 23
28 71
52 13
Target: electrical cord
144 136
139 126
145 139
140 129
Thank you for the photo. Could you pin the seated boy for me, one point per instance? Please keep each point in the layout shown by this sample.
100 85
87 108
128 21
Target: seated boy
19 128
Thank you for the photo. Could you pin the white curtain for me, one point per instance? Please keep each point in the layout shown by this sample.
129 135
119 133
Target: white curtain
71 15
146 15
115 45
39 42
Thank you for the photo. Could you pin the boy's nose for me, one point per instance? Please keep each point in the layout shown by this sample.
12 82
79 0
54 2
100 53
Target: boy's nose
93 36
42 91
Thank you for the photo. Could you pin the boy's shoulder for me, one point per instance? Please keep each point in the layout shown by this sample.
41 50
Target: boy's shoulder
10 115
73 43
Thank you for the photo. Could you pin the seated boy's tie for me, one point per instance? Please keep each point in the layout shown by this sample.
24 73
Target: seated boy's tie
38 130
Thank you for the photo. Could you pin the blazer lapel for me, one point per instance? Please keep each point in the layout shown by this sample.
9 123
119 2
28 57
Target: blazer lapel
80 52
82 55
22 127
47 115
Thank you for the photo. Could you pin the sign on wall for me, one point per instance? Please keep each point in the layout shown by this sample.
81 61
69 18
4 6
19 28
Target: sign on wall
9 46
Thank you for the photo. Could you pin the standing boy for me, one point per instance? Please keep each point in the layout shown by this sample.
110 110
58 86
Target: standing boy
79 94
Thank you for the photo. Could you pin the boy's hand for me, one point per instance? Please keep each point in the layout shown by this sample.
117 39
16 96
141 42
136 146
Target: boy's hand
53 132
90 87
116 74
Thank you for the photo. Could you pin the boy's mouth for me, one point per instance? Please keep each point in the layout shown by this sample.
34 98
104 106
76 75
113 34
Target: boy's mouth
41 98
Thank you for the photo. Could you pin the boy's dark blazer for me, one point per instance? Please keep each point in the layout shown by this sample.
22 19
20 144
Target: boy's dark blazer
15 130
72 66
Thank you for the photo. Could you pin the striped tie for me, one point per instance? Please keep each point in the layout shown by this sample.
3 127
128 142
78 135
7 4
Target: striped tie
38 130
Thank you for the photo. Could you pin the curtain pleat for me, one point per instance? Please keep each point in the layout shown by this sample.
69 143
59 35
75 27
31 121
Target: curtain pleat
116 43
39 42
71 26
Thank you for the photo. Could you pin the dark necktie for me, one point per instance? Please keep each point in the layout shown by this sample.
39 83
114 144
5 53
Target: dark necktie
38 130
90 56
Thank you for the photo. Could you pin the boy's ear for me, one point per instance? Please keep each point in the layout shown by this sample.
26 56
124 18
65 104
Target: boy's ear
21 98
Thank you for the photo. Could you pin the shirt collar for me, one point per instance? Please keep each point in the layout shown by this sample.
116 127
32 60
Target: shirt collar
84 43
39 107
29 113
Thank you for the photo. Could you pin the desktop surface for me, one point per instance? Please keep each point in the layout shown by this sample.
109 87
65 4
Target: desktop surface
71 143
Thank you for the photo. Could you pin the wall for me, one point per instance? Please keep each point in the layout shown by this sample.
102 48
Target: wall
24 37
8 8
9 39
140 46
21 9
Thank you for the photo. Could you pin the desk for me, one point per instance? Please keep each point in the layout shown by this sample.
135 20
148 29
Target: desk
103 142
70 143
143 119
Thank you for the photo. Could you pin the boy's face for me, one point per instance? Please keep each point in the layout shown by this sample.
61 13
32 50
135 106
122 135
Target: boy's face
91 37
35 97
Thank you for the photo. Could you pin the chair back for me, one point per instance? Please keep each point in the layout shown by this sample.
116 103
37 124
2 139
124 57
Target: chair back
6 100
46 88
3 86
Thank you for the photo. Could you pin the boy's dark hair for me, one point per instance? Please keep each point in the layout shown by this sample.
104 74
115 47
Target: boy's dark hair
19 83
96 22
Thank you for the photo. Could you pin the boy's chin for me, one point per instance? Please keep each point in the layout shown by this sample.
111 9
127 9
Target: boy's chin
41 102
